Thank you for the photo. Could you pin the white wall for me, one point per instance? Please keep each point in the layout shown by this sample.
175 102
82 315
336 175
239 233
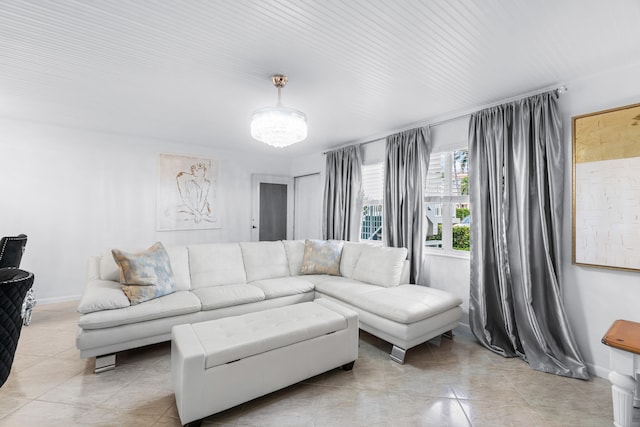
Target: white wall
595 297
76 192
309 165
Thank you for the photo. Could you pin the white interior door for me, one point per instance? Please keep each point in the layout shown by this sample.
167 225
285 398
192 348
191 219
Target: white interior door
307 207
272 207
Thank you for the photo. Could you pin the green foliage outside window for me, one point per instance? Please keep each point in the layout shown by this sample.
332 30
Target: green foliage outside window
462 213
461 238
437 236
464 186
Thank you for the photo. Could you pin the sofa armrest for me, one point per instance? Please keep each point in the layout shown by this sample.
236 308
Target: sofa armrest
101 295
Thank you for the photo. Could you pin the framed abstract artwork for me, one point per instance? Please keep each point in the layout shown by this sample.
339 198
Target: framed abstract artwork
188 189
606 188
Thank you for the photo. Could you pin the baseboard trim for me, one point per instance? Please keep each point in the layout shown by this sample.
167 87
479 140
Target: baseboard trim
44 301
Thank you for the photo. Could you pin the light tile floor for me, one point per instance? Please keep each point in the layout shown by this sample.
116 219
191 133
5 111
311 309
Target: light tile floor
442 383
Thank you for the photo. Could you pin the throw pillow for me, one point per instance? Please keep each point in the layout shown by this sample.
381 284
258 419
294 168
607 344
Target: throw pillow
322 257
145 275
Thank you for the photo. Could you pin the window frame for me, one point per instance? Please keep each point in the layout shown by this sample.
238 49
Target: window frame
448 202
373 202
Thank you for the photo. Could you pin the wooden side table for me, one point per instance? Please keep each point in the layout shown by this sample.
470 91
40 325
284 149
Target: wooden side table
623 338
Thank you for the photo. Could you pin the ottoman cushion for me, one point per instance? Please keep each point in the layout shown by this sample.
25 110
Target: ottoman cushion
233 338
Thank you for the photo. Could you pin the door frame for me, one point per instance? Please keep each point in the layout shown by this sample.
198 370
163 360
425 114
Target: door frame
295 202
256 180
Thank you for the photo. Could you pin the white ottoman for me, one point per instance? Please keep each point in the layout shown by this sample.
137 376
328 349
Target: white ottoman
221 363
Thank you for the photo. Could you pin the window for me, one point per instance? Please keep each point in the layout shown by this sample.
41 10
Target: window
372 187
447 210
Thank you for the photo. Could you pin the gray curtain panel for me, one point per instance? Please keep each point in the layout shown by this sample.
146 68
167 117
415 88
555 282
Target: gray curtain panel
516 192
407 161
342 194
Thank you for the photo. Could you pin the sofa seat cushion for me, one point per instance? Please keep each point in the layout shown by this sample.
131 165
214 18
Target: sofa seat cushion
347 290
284 286
228 295
407 303
232 338
317 278
175 304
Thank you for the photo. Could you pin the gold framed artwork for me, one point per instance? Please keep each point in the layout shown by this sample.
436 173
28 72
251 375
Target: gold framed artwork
606 188
188 190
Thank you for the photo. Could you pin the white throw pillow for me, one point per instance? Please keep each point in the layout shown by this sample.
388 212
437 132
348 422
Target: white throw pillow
380 265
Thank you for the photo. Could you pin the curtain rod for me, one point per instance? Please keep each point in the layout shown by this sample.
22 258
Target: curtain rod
559 90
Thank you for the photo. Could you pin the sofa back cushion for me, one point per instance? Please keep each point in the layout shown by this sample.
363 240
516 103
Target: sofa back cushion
264 260
216 264
350 254
380 265
295 253
178 258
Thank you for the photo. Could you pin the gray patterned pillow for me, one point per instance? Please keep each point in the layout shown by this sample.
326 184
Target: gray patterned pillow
145 275
322 257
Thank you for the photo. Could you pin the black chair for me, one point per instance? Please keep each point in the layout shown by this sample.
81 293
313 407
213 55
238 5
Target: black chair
14 284
11 250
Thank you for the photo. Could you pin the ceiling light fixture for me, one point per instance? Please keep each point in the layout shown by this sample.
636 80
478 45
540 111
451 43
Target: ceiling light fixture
279 126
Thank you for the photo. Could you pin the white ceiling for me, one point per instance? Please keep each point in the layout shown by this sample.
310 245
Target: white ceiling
193 71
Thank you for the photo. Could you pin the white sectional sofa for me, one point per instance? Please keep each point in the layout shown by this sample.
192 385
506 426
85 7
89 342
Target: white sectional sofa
226 279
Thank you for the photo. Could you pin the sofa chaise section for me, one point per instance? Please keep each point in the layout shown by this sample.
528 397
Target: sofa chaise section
403 315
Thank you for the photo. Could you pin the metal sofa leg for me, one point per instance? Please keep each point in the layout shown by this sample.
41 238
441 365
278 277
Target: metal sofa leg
448 334
105 363
397 354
